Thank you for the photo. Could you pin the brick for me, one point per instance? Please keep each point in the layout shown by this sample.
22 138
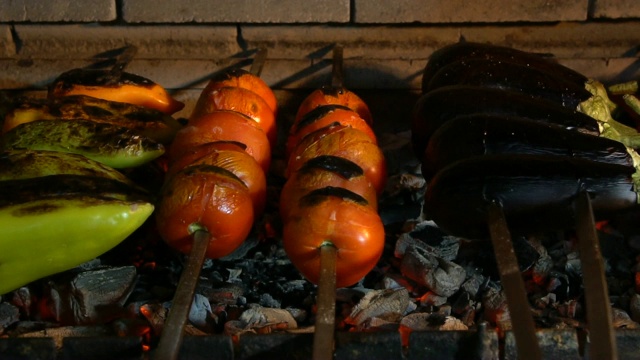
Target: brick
238 11
615 9
563 40
463 11
153 42
58 10
373 42
7 46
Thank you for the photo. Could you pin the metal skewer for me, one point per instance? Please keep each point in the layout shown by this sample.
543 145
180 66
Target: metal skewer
122 61
323 337
258 62
599 317
513 285
173 329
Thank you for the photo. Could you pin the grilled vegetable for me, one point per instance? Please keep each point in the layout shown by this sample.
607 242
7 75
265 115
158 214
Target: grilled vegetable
481 134
241 78
224 125
323 116
112 145
205 197
334 217
115 86
145 121
242 101
53 223
465 50
325 171
439 106
536 192
346 142
514 76
334 95
232 157
27 164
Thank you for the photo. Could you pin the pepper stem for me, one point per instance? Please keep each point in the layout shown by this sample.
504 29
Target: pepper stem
629 87
599 107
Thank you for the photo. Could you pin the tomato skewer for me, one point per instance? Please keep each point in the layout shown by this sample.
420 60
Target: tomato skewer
332 232
201 243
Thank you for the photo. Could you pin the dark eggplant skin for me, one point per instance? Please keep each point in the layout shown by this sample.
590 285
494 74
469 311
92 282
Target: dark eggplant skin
437 107
486 134
501 74
474 50
536 192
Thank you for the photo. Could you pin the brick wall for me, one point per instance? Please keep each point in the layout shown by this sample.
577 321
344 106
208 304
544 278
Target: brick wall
387 42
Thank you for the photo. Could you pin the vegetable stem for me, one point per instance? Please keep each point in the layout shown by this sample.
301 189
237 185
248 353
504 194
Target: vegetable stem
629 87
599 107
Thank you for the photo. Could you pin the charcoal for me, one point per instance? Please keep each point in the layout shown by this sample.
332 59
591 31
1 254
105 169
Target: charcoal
93 296
621 319
634 307
440 276
496 310
526 254
433 321
258 316
463 303
267 300
379 303
472 284
427 236
22 299
432 299
224 294
200 311
9 314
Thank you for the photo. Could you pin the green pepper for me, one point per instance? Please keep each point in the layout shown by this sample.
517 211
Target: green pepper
42 237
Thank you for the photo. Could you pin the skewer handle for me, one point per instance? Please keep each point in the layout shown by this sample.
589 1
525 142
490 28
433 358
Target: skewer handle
599 317
323 341
173 329
524 329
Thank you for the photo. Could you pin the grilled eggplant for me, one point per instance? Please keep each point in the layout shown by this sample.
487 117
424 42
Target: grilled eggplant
484 134
514 76
535 191
439 106
473 50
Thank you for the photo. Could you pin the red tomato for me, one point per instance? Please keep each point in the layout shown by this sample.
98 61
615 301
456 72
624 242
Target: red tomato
230 156
345 142
246 80
223 125
323 116
321 172
328 95
354 229
206 197
241 100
